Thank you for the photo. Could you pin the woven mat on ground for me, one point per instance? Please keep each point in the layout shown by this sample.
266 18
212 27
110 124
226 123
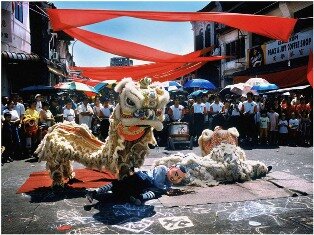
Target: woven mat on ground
85 178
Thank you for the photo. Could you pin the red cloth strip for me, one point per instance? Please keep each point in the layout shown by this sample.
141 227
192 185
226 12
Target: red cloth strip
270 26
143 66
129 49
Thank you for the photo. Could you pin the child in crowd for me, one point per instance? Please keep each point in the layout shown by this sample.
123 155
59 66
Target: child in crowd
143 185
283 130
293 129
263 127
305 129
273 130
7 138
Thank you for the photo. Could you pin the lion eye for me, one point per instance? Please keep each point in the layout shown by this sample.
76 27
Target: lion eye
130 102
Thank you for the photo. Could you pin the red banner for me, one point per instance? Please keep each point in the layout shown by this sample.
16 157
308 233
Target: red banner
270 26
130 49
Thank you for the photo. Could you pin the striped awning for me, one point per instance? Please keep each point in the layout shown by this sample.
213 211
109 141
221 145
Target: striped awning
7 55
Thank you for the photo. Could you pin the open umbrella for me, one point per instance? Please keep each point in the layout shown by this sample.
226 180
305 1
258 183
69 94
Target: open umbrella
199 83
197 93
171 85
75 86
106 83
238 88
38 89
265 87
256 81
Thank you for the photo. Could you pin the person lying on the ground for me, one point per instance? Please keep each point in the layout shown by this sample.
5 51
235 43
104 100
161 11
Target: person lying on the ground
143 185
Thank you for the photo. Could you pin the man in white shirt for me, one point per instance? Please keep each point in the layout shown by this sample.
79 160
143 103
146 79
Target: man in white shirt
106 110
248 110
176 111
208 117
20 109
85 113
199 114
216 109
68 112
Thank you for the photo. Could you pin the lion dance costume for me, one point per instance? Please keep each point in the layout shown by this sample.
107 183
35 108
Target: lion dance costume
140 110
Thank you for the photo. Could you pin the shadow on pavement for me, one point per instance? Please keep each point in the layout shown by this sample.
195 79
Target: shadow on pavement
112 211
46 194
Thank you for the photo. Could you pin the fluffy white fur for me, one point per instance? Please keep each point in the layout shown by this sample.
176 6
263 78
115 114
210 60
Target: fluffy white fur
226 163
222 160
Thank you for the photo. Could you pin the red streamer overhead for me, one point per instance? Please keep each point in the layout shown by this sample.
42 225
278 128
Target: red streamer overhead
140 71
279 28
140 67
130 49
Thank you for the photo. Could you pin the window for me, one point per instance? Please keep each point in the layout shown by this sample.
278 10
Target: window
18 11
199 44
207 36
235 49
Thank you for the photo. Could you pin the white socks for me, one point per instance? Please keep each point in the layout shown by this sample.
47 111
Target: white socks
104 189
148 195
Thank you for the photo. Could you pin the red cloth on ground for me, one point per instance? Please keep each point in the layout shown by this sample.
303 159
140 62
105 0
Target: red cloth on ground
90 179
270 26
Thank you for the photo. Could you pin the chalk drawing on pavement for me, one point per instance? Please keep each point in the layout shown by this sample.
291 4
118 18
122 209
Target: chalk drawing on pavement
73 217
134 226
31 219
252 209
175 222
130 210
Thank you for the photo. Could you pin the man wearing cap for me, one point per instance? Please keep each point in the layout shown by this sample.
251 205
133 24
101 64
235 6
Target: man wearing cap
143 185
38 103
85 113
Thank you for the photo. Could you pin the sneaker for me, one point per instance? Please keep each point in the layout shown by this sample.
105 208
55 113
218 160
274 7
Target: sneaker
90 195
135 201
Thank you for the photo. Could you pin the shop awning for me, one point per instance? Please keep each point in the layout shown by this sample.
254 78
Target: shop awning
287 78
7 55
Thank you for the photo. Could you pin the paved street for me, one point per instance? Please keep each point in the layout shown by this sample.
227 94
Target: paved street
237 208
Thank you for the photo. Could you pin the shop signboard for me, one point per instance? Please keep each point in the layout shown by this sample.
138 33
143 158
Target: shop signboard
6 34
256 56
299 45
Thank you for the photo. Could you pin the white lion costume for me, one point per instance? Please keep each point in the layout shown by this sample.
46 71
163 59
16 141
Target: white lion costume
140 110
222 160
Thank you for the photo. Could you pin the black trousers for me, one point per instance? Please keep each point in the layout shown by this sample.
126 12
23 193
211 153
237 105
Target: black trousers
104 128
199 119
134 186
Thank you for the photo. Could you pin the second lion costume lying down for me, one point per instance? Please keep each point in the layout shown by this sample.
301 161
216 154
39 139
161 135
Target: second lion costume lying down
222 160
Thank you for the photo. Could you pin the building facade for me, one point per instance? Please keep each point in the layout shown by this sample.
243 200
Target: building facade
31 53
120 61
253 55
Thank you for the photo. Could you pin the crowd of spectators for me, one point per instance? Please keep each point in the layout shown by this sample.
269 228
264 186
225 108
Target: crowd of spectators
271 119
46 111
260 119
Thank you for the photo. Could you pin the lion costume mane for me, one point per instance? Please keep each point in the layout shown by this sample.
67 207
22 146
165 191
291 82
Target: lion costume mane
139 111
222 161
